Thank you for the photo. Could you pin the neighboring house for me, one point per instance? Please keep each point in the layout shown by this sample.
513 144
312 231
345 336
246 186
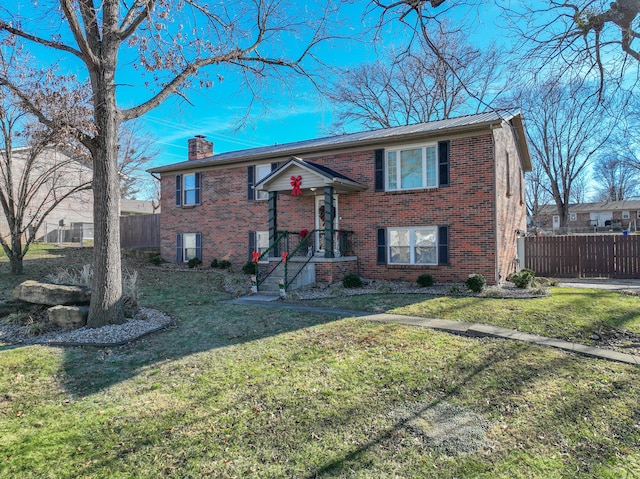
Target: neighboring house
72 219
600 217
137 207
54 173
444 198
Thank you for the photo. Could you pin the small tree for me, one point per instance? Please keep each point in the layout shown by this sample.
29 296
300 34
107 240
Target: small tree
34 179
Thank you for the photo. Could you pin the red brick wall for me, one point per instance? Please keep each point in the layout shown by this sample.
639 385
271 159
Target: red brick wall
510 201
467 207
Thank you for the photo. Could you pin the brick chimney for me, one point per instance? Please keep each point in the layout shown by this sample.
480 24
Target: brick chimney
199 148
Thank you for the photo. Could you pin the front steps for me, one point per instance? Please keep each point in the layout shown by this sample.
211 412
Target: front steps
272 284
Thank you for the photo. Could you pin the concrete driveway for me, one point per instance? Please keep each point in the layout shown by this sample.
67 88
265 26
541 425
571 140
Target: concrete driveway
602 283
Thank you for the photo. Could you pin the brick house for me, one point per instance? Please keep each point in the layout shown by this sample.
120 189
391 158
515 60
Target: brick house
444 198
598 217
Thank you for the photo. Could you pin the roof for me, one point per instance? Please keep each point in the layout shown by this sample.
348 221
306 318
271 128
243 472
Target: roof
625 205
323 177
365 138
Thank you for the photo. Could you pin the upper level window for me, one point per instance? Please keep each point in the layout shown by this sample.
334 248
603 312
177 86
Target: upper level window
261 172
411 168
188 189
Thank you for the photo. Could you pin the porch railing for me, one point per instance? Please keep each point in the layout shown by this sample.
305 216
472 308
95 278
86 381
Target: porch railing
299 245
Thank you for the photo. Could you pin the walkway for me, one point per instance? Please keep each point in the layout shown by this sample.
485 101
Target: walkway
455 327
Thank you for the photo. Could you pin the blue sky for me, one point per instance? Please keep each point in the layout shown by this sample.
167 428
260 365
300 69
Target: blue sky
294 113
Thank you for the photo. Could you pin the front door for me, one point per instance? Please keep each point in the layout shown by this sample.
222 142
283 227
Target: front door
320 223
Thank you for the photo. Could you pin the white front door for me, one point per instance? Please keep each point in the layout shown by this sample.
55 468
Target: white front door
320 223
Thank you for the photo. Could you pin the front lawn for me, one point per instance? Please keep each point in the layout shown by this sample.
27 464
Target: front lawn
236 391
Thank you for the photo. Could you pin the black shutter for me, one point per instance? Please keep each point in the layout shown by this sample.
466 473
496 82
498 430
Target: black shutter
252 244
443 245
199 246
179 248
198 182
379 170
443 160
382 246
178 190
251 176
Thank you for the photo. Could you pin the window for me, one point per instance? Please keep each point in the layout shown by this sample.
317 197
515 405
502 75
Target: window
256 173
188 189
261 172
188 246
625 215
262 243
573 216
413 245
411 168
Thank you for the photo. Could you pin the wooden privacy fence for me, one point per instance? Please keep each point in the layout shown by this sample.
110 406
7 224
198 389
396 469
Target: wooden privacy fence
140 231
588 256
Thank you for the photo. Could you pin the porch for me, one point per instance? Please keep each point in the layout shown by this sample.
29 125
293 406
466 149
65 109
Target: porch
296 259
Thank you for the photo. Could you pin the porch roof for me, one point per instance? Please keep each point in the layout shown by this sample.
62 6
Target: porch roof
312 176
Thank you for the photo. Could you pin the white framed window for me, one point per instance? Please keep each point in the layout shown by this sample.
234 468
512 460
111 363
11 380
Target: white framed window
412 167
190 246
189 189
261 171
625 215
638 214
417 245
573 216
262 244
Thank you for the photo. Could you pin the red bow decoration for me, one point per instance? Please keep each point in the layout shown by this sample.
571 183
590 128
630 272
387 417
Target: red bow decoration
284 257
303 233
296 181
255 256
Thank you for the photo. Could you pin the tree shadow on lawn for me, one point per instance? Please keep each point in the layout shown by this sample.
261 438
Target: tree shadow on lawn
203 327
579 434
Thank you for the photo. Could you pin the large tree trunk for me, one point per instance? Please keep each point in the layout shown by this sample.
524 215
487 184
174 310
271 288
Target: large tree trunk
106 296
15 258
15 263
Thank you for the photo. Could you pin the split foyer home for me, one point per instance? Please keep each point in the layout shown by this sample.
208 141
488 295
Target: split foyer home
444 198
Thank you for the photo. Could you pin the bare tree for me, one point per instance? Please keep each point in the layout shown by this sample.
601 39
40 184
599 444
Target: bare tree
595 37
136 153
36 175
537 192
416 86
616 178
566 127
166 43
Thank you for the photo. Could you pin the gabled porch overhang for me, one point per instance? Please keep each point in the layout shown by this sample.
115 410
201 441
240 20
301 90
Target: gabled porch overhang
313 177
298 177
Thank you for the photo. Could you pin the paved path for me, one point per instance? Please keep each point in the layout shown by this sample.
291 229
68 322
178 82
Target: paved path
456 327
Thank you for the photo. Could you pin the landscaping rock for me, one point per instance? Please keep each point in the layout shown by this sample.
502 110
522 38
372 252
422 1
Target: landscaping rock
51 294
69 317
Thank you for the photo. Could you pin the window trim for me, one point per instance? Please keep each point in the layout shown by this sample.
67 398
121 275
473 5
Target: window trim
425 178
412 245
197 237
181 191
626 215
257 244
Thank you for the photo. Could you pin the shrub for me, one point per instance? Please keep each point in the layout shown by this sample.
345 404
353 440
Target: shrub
194 262
351 280
455 290
224 264
523 278
156 260
425 280
214 263
249 268
476 282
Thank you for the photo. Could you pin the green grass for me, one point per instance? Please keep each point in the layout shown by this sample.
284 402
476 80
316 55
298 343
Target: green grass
234 391
568 313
